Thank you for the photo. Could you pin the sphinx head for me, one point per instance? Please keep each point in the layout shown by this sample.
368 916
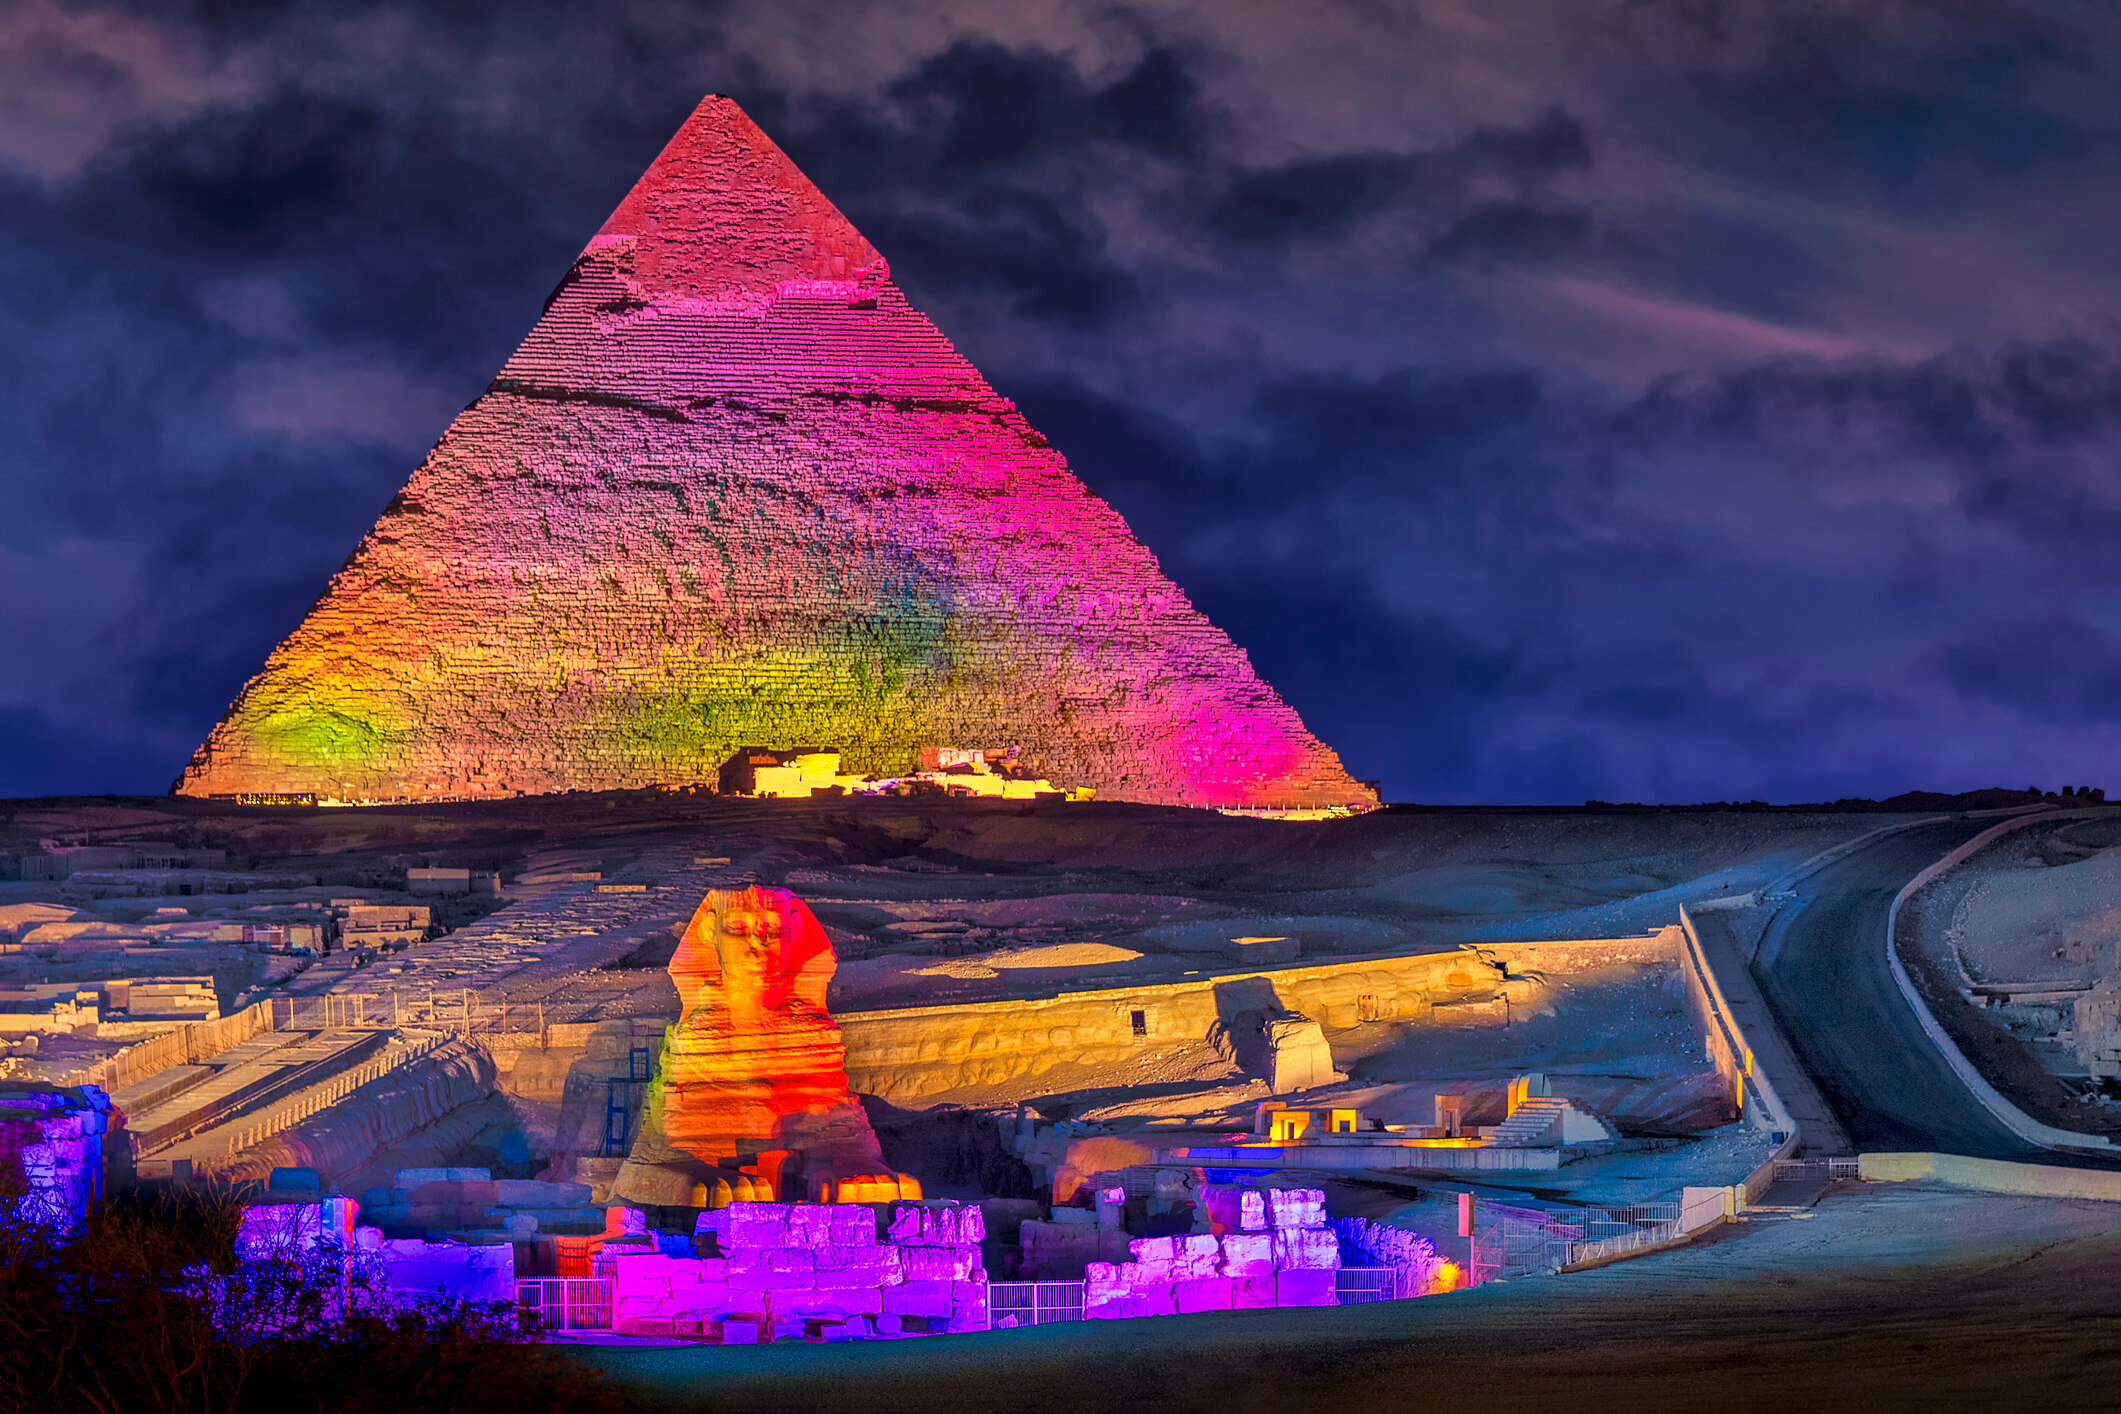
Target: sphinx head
752 948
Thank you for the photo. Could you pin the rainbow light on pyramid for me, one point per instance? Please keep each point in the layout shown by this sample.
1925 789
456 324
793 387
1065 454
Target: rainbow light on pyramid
733 490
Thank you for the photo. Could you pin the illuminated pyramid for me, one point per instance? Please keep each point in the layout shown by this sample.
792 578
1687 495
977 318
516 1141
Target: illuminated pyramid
734 491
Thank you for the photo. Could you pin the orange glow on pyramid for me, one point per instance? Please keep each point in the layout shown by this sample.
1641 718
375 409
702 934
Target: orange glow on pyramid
733 490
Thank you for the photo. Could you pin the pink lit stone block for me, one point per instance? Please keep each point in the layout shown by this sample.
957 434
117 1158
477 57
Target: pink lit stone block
1314 1287
840 1302
859 1266
1248 1254
918 1298
700 1299
968 1299
756 1225
1204 1294
1306 1248
787 1259
1296 1207
1253 1293
851 1227
939 1263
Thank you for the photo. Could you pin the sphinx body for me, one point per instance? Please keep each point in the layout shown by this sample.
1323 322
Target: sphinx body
752 1091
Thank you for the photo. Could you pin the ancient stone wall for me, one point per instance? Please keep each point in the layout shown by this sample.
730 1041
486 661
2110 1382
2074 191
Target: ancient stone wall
733 490
904 1053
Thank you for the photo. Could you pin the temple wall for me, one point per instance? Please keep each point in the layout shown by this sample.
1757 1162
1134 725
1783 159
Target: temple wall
905 1053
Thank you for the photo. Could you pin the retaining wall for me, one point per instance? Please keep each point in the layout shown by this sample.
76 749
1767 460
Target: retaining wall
1993 1175
905 1053
2031 1130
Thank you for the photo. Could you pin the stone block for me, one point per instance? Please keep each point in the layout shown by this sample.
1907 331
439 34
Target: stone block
917 1298
852 1227
969 1298
738 1332
859 1266
1153 1251
1195 1256
707 1296
653 1326
939 1263
1203 1294
1248 1254
1289 1208
1154 1299
765 1278
640 1271
1306 1248
755 1225
839 1302
1253 1293
786 1259
904 1224
1305 1287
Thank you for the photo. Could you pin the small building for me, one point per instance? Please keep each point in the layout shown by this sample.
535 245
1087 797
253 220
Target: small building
364 925
770 774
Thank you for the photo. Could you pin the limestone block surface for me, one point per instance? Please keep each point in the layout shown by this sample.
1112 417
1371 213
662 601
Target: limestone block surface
1314 1287
1248 1254
1203 1294
1306 1248
1296 1207
918 1298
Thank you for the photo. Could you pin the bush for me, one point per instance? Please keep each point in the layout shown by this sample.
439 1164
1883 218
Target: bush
145 1306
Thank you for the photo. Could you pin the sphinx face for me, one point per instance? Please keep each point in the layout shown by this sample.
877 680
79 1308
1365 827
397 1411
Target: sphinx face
751 933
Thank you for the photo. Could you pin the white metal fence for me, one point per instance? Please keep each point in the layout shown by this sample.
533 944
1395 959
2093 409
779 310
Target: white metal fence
1033 1303
566 1303
1359 1286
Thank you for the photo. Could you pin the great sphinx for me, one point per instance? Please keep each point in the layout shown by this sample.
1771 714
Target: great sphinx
751 1098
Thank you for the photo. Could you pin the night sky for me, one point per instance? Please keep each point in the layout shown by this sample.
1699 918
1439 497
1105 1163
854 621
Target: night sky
1661 400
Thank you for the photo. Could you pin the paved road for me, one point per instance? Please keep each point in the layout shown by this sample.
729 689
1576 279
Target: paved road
1823 972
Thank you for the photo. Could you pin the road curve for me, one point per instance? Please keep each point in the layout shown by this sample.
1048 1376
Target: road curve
1822 971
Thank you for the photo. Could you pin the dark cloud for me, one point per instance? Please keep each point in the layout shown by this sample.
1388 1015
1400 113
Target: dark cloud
2058 670
1322 198
1657 402
1503 231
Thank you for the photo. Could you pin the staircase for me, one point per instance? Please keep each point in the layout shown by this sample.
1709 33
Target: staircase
1542 1121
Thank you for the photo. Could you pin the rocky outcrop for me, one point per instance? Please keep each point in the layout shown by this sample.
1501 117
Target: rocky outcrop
733 490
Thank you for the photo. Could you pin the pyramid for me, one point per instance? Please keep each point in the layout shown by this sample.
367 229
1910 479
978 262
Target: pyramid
733 490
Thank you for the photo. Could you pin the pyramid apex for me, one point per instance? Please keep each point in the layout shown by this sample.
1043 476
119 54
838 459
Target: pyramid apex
723 213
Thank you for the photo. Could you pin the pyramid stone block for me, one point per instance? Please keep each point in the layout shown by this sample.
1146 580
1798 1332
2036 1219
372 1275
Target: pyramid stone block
733 490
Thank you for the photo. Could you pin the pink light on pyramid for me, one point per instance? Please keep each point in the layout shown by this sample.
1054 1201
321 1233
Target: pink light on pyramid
733 490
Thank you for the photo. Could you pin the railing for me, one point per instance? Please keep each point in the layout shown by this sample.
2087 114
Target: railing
1358 1286
329 1093
1815 1168
187 1045
1600 1249
456 1009
1033 1303
566 1303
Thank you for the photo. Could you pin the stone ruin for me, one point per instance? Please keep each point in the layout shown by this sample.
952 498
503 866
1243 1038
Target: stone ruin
751 1101
733 490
